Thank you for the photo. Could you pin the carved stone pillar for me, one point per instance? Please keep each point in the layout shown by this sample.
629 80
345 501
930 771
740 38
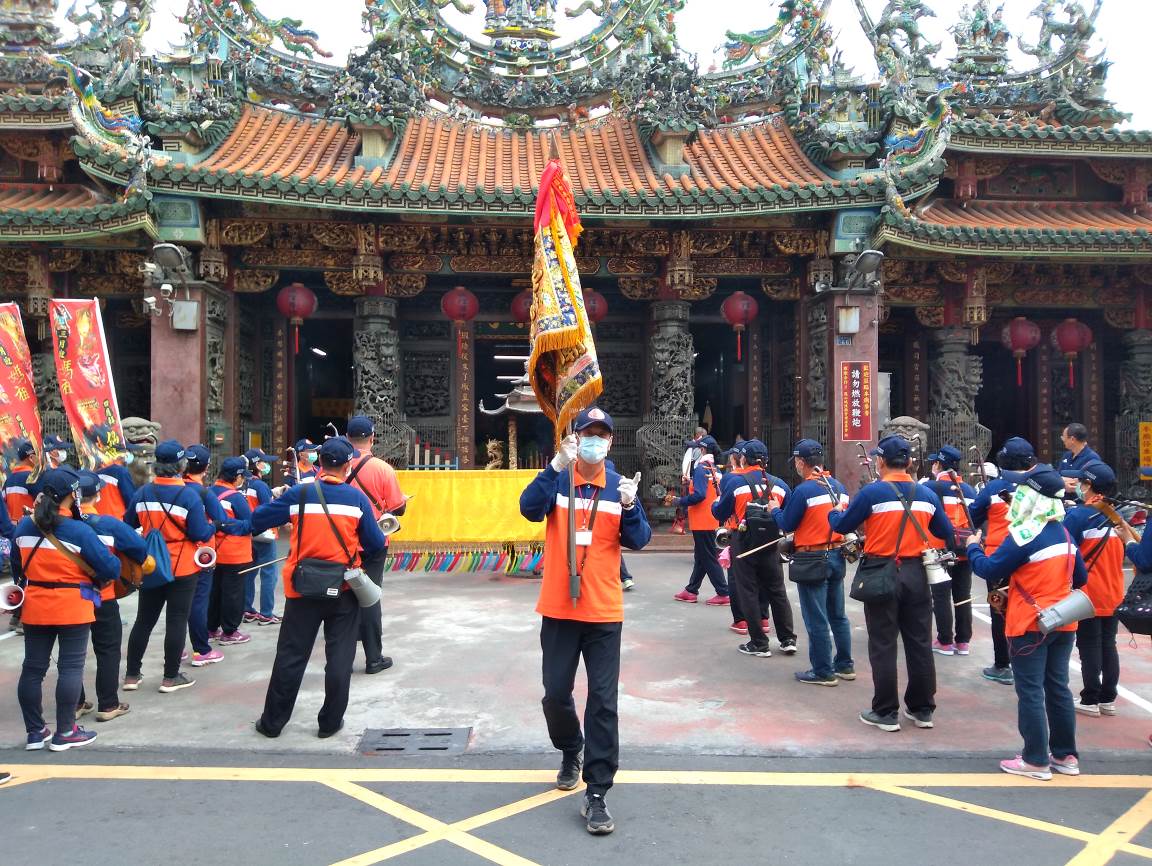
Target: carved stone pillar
954 379
52 416
219 360
671 415
1135 406
376 379
188 370
816 379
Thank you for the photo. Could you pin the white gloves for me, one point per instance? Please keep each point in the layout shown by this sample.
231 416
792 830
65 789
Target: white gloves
628 488
565 454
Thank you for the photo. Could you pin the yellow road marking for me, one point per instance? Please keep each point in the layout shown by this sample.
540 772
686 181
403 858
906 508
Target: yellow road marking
436 830
31 772
1116 835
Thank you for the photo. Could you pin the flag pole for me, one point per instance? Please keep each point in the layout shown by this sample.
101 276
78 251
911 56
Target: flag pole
573 574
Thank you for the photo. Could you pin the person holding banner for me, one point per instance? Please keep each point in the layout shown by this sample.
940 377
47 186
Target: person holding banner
233 554
118 488
107 628
64 564
55 451
19 490
169 505
608 516
263 545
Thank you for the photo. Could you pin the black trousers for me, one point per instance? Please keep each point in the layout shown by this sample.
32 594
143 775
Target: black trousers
908 617
303 618
226 603
758 581
945 605
371 625
563 642
705 562
107 635
175 599
1000 656
1099 660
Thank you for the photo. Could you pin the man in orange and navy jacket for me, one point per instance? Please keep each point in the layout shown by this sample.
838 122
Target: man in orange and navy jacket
233 554
1040 571
907 614
1102 550
1015 457
118 488
175 509
704 489
818 565
108 629
957 498
19 494
758 577
608 515
313 537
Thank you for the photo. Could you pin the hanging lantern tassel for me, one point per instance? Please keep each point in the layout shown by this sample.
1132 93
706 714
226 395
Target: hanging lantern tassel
1019 368
739 334
1071 371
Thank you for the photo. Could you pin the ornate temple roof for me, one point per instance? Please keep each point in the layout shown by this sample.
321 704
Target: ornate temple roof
68 212
1040 138
1004 228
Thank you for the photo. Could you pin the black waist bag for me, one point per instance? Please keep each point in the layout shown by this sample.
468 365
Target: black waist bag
1135 611
808 567
759 525
318 578
875 578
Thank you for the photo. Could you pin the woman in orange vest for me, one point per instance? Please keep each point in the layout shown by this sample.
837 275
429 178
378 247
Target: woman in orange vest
1042 565
233 554
705 487
65 565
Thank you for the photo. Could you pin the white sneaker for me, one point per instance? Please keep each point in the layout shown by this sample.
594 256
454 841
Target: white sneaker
1088 709
1107 709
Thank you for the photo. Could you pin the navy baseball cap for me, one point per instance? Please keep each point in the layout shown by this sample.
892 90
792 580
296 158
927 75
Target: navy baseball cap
593 415
892 448
55 443
24 449
754 450
257 455
336 451
1046 481
198 457
90 483
361 427
233 467
60 483
1097 473
169 451
1017 447
948 455
306 445
808 449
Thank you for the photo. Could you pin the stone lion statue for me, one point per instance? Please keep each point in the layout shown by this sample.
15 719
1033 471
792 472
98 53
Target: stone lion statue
495 452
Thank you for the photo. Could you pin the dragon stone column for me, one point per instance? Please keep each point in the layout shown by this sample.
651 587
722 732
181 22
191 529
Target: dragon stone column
671 416
1135 407
376 356
954 380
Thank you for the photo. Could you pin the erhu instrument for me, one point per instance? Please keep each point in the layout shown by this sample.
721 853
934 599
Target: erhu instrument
866 461
976 466
1127 534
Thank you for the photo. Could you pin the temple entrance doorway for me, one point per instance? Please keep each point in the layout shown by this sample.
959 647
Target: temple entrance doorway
721 382
322 380
1001 406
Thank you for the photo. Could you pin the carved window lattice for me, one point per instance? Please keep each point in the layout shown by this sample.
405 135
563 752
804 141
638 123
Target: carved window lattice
427 384
623 384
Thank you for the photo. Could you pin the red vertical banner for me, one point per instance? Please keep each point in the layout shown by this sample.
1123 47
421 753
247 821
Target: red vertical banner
19 414
85 376
855 401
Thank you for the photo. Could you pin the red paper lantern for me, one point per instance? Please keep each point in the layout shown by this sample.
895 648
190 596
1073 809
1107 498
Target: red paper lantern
296 302
1019 337
1071 337
739 309
595 305
461 306
522 307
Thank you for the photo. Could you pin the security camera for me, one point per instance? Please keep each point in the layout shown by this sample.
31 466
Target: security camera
166 291
150 302
149 268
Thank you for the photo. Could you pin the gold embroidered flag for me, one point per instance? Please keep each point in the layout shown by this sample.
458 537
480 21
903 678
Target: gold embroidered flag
563 369
19 414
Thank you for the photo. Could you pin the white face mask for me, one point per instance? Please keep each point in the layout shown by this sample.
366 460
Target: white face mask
61 456
593 449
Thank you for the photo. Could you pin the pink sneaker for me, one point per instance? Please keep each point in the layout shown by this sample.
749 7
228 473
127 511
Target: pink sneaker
215 634
943 649
1017 767
764 624
718 600
268 620
961 649
1069 766
685 596
234 638
184 656
199 660
742 628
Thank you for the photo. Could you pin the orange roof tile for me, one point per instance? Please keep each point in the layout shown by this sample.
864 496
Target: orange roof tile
1054 216
42 197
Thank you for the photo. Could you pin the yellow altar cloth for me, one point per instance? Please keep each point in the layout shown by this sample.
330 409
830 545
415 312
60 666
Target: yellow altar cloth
464 507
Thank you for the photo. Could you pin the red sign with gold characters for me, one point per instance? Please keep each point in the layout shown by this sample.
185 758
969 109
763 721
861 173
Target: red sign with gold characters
86 381
19 414
856 401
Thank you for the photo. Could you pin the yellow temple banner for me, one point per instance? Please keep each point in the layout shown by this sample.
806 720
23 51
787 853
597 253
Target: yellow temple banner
465 507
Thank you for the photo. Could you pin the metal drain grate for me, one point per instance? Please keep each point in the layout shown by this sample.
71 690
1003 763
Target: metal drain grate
415 741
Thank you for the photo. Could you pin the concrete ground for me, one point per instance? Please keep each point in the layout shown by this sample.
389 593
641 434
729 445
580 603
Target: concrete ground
719 753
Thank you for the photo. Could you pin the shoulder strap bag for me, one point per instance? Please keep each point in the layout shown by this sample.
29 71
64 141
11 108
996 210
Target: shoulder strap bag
316 578
88 591
875 578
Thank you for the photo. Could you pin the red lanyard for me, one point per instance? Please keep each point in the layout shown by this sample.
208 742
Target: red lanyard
589 515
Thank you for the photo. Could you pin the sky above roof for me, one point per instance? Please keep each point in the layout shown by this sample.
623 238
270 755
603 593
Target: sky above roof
1122 29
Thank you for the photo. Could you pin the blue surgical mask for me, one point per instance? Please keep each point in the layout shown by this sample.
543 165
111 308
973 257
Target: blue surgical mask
312 456
128 458
593 449
265 469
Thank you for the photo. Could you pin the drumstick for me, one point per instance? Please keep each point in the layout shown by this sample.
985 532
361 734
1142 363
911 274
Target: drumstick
761 547
261 565
965 601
